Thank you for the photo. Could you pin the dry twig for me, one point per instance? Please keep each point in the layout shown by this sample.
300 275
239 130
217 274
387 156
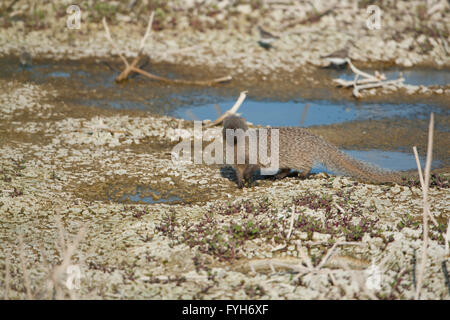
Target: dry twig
376 85
369 81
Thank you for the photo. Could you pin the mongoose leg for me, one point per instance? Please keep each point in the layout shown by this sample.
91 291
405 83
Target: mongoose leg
239 176
248 172
305 172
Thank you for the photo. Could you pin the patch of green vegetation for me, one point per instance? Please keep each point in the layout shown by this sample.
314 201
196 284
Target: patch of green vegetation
16 193
104 8
168 224
246 207
18 166
408 222
254 291
437 232
336 223
224 241
217 235
438 181
309 225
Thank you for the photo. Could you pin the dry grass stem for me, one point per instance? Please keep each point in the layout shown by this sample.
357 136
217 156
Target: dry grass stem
24 268
291 224
369 81
426 206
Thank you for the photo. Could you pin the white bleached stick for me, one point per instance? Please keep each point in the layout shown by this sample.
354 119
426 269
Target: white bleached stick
426 207
231 111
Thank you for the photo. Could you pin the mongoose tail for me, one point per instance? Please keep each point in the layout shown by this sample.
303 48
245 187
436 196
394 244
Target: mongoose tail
337 161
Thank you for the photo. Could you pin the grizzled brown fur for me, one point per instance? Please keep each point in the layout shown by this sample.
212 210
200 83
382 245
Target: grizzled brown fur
301 150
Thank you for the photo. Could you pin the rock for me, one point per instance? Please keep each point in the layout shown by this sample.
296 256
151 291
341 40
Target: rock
277 15
102 210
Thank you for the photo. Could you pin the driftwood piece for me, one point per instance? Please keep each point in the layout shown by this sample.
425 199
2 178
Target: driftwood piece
356 89
351 83
368 82
133 66
180 81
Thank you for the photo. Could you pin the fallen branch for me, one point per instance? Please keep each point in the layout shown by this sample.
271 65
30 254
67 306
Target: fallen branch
351 83
364 74
368 82
133 66
356 89
231 111
181 81
331 251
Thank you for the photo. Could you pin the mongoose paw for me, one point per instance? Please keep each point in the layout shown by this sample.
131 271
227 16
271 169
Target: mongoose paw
250 184
246 184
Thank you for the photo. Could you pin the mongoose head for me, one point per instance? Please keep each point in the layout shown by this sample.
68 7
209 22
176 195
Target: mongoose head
233 122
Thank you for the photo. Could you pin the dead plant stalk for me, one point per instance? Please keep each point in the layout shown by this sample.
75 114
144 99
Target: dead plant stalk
426 206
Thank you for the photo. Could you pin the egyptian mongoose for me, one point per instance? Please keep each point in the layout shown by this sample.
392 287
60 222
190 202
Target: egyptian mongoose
301 150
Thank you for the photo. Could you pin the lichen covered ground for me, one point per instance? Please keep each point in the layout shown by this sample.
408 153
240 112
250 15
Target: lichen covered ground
66 167
215 241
